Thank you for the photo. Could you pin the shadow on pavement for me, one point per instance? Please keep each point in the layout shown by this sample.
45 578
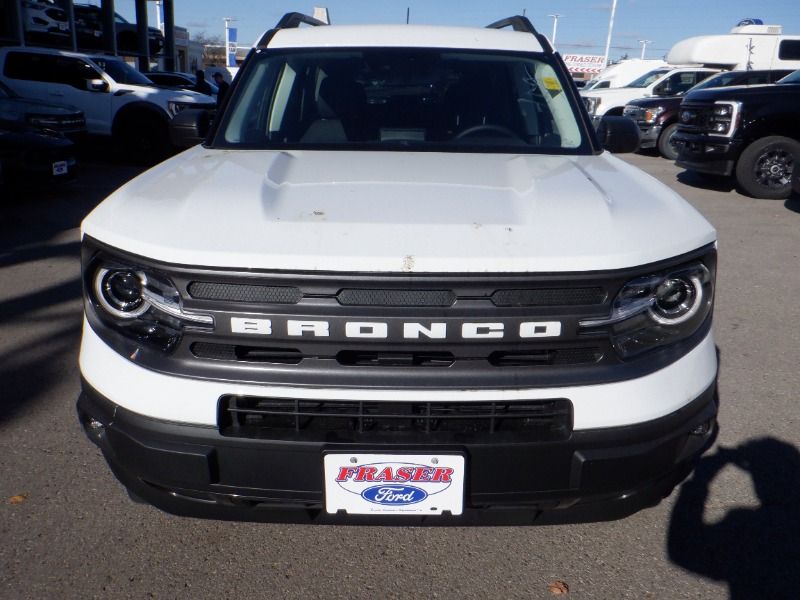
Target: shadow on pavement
754 550
40 289
716 183
793 203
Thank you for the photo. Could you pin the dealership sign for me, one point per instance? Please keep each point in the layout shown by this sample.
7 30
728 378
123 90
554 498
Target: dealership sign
584 63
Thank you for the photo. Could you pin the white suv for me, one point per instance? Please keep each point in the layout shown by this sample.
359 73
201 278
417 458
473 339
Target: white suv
664 81
116 99
400 279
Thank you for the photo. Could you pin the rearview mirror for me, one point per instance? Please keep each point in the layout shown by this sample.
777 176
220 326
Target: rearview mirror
618 134
189 127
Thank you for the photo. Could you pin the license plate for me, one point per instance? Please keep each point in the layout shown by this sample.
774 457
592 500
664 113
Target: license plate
60 167
369 484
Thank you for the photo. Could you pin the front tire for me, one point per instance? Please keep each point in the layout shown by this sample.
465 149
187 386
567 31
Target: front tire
143 138
765 167
665 147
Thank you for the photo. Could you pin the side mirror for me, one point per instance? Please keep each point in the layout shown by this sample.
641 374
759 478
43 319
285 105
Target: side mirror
618 134
96 85
189 127
663 89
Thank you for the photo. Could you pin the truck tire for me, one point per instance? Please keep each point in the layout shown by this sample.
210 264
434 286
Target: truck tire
765 167
665 147
143 138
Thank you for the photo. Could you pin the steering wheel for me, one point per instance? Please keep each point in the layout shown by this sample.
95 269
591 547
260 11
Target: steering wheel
470 131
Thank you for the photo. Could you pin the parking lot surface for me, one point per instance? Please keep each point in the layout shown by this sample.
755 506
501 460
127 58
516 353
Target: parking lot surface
68 530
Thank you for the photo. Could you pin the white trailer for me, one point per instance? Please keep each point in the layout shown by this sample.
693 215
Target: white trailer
747 46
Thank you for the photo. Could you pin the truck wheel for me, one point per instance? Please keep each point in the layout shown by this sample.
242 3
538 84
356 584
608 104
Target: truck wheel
765 167
143 138
665 147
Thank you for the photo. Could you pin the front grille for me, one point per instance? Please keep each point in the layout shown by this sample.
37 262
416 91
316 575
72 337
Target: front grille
248 354
550 297
368 297
695 117
279 418
237 292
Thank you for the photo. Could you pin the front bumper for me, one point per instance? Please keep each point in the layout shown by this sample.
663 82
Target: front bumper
649 135
596 474
706 154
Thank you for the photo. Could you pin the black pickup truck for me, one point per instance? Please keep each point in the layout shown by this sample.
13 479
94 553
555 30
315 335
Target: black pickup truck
752 133
657 117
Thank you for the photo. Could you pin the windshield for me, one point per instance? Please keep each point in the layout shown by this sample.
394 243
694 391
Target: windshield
419 99
648 78
121 72
718 80
791 78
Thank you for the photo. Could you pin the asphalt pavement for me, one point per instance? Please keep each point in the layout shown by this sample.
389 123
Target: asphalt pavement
68 530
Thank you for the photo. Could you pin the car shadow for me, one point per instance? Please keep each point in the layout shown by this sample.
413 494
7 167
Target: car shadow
754 550
793 203
716 183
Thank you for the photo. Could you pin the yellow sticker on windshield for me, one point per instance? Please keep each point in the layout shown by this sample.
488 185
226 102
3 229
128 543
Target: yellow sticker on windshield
551 84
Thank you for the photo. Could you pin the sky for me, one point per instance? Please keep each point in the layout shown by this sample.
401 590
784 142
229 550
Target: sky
582 28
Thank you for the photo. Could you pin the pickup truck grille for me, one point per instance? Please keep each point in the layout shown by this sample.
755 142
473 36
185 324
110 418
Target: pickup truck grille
695 117
279 418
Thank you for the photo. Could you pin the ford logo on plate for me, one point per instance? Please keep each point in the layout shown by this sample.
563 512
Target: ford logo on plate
394 495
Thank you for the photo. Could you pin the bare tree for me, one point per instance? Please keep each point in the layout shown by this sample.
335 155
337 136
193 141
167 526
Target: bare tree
213 48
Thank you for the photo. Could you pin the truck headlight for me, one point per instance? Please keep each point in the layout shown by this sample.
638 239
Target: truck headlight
591 103
140 304
725 118
651 114
657 310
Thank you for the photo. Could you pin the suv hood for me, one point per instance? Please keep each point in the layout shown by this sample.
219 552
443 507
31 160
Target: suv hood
14 109
398 212
737 92
155 93
615 92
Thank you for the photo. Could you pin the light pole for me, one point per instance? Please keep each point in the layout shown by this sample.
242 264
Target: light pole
555 18
644 45
610 29
231 38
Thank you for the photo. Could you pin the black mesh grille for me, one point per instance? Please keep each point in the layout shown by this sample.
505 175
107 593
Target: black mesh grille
354 297
254 294
550 297
538 420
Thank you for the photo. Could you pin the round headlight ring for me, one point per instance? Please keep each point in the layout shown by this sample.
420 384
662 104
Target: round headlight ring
121 292
677 299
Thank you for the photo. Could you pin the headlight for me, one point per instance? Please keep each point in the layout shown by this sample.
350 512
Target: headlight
44 121
651 114
176 107
657 310
725 118
140 304
591 103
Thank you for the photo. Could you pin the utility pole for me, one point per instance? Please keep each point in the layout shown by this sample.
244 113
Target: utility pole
644 45
555 18
610 29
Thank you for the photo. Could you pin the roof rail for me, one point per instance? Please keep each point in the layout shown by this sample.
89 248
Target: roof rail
522 24
291 20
